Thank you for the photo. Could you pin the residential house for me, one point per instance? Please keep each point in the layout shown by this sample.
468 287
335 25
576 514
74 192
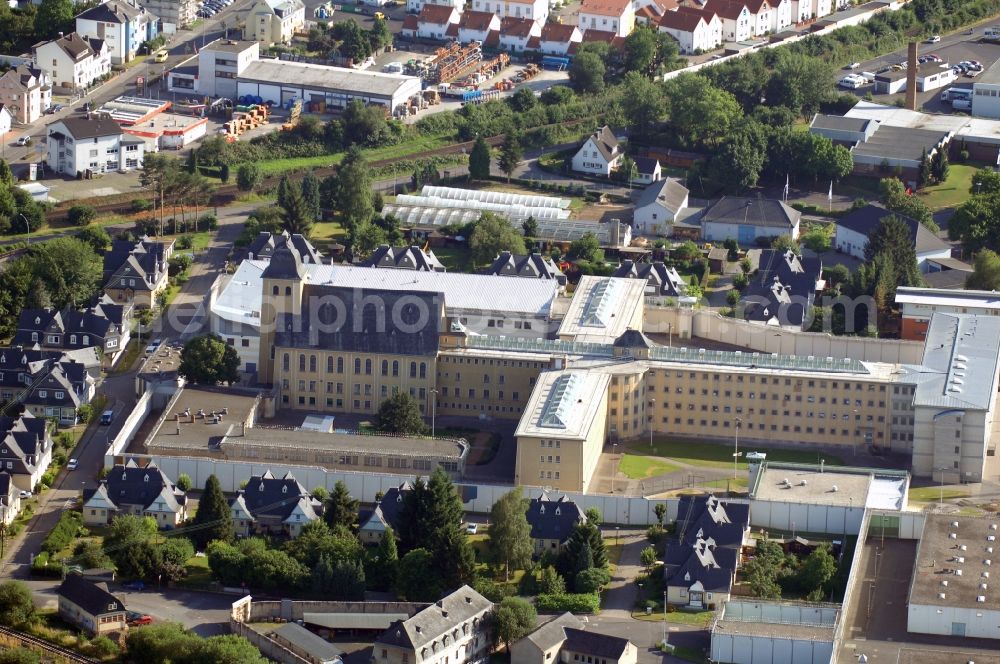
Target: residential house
536 10
616 16
476 26
783 289
60 391
436 21
96 144
136 272
517 34
558 38
25 449
658 207
649 12
404 258
564 639
762 18
661 281
736 18
5 120
600 154
703 556
552 522
262 247
271 505
72 62
106 327
10 499
646 171
26 93
274 21
173 14
121 25
384 516
803 11
529 266
133 489
695 29
456 628
90 607
781 14
854 229
416 6
747 219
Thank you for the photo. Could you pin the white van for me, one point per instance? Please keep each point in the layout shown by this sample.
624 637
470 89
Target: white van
852 82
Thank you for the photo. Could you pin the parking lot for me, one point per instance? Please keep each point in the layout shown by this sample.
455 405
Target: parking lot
952 49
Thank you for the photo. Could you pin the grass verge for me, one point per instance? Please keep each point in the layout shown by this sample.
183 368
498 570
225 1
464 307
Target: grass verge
410 147
718 455
930 494
953 191
638 467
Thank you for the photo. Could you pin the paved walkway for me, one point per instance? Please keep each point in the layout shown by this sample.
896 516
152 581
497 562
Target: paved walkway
622 593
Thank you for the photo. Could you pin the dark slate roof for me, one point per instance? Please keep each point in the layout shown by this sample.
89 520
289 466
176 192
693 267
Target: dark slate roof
6 487
63 385
286 261
111 12
633 339
668 192
707 544
439 619
867 219
264 244
606 142
594 643
96 126
266 495
752 211
130 484
703 517
665 279
534 266
364 321
783 287
89 596
646 165
839 123
22 441
553 519
390 507
101 321
713 567
404 258
18 364
75 46
143 260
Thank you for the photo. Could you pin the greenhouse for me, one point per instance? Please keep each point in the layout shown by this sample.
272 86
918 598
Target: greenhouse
496 197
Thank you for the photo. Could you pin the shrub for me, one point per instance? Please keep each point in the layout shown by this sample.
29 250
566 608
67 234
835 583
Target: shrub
573 602
85 413
184 242
81 215
655 533
141 205
63 533
43 566
492 590
103 647
208 222
591 581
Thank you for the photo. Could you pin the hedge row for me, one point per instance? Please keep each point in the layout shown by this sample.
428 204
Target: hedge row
575 603
63 532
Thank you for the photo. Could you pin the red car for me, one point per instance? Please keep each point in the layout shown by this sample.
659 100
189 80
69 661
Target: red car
139 619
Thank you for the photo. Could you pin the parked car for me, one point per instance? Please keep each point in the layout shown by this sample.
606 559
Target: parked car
107 416
972 73
934 40
24 140
851 82
139 619
161 55
472 528
962 104
853 65
153 345
72 465
134 585
25 494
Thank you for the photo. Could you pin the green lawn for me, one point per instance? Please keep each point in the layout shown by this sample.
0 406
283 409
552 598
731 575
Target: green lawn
327 231
456 258
930 494
696 618
716 455
638 467
409 147
198 573
953 191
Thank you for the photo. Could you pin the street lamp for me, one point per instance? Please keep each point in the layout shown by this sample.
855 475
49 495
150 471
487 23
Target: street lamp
651 402
664 618
614 468
941 493
736 449
433 411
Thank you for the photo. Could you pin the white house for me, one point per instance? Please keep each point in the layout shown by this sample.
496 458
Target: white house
122 26
616 16
737 21
600 154
556 38
435 22
854 229
96 144
747 219
762 17
476 26
694 29
516 33
536 10
781 14
658 206
274 21
73 62
5 120
415 6
25 92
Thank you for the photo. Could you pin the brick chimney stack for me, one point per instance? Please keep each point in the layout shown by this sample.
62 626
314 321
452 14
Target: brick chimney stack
911 76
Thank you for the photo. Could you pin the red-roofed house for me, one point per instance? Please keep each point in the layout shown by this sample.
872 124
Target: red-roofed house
694 29
409 28
536 10
737 22
781 14
475 26
648 12
556 38
760 16
603 36
515 33
434 21
805 10
617 16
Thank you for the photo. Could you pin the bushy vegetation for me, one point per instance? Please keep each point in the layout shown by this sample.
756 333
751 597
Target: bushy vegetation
573 602
63 533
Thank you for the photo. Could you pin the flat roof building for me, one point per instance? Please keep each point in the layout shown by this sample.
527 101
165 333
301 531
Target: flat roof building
918 305
602 309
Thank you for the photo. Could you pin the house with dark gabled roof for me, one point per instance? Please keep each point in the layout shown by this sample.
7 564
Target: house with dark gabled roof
564 639
748 219
528 266
661 281
121 24
25 449
646 171
133 489
73 62
855 227
456 628
552 522
262 247
600 154
268 504
384 515
105 327
404 258
137 272
659 205
60 390
90 606
704 553
783 289
25 91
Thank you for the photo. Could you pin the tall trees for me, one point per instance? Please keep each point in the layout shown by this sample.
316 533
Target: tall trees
479 160
69 268
16 608
493 234
310 193
986 275
510 534
208 360
248 176
894 196
53 16
384 562
700 114
740 158
587 71
514 618
297 214
341 508
644 105
510 154
354 191
213 520
400 414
